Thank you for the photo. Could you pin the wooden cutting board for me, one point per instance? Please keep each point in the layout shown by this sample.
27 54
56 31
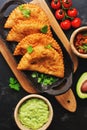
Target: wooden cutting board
67 100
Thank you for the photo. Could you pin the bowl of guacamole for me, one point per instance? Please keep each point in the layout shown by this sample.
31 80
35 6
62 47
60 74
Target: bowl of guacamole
33 112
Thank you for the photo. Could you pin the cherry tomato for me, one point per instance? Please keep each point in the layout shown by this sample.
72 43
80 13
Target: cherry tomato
72 12
59 14
67 3
76 22
66 24
55 4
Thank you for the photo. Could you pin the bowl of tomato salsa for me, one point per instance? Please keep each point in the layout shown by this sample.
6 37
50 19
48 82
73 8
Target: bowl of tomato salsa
78 42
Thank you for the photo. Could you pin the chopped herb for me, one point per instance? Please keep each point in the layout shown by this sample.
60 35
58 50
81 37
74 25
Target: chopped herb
14 84
34 75
21 7
25 12
30 49
44 29
43 78
48 46
39 80
84 47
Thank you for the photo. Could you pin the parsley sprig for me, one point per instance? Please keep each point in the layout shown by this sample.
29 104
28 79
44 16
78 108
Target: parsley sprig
26 12
14 84
30 49
44 29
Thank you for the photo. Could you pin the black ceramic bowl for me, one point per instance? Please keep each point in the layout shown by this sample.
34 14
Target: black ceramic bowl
62 84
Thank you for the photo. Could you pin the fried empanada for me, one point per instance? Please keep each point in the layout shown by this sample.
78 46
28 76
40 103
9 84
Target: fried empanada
36 40
26 12
44 60
24 28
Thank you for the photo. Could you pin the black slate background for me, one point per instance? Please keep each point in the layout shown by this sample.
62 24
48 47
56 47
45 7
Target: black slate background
63 119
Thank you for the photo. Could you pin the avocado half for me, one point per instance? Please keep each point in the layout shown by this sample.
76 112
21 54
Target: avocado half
80 86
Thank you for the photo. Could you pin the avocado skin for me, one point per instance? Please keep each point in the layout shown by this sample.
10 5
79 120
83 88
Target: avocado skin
82 78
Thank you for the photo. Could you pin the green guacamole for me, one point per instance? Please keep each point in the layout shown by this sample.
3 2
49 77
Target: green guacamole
34 113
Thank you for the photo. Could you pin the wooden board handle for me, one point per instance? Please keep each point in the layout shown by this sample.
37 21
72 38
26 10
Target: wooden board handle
67 100
25 83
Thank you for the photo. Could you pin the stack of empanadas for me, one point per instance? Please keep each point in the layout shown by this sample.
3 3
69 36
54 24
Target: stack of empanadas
40 52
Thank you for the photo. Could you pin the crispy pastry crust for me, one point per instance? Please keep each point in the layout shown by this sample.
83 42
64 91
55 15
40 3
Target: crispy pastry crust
16 15
24 28
36 40
44 60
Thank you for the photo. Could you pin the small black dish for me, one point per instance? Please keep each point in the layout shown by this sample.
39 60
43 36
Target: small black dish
62 84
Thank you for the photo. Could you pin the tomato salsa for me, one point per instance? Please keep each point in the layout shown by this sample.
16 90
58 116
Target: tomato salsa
80 42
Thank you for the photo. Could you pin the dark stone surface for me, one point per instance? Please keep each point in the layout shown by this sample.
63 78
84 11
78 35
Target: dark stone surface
62 120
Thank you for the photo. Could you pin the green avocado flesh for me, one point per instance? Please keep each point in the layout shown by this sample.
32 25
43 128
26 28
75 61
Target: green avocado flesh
80 82
34 113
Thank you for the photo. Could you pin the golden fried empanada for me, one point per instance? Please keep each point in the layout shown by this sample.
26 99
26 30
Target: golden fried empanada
44 60
26 12
36 40
24 28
